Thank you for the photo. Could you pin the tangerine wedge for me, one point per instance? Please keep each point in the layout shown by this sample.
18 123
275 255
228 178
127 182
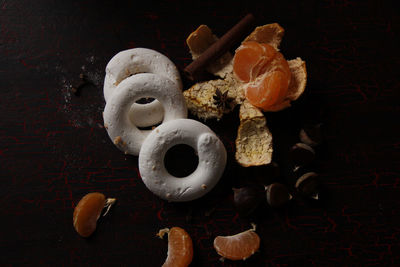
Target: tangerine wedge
180 247
264 72
88 211
237 247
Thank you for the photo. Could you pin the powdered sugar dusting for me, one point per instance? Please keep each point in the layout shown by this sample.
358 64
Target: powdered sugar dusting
80 109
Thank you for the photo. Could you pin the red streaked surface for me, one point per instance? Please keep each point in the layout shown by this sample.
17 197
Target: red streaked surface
54 150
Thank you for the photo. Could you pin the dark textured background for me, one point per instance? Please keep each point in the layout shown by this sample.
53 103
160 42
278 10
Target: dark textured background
53 148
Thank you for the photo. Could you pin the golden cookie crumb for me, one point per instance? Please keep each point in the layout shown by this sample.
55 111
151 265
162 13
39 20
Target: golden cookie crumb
118 141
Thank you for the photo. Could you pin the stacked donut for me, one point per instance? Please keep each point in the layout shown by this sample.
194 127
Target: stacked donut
144 73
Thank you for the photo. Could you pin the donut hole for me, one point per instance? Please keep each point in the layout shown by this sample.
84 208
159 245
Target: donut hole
146 118
145 100
181 160
148 128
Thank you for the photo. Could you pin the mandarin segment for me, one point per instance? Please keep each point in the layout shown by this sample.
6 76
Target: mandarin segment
247 61
180 248
264 72
88 211
238 247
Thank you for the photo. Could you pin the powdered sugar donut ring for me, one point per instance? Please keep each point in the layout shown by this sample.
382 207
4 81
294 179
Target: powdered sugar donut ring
210 150
125 134
140 60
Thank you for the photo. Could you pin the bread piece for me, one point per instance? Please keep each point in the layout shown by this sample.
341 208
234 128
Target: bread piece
254 140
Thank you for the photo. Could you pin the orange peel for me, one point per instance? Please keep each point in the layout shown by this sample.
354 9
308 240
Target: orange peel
199 97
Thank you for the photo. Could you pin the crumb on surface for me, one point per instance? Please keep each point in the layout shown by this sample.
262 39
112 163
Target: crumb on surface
118 141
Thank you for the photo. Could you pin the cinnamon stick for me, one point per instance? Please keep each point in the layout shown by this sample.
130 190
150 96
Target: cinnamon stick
195 70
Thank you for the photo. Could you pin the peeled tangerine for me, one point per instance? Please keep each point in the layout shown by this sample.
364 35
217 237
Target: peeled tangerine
264 72
180 247
88 211
239 246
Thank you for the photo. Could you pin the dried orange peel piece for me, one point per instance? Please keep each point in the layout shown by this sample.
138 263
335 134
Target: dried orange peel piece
238 247
198 42
200 101
269 34
180 247
254 140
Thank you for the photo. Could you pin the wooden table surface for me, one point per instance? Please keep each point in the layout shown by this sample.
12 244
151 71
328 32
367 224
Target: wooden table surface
54 149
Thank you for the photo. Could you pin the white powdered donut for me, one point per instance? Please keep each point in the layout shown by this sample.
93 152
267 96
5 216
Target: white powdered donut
125 135
140 60
210 150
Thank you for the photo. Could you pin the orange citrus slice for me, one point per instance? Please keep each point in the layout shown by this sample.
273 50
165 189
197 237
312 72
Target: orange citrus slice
264 71
180 247
238 247
88 211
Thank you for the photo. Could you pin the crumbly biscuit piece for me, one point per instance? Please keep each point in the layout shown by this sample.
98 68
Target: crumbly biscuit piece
254 140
